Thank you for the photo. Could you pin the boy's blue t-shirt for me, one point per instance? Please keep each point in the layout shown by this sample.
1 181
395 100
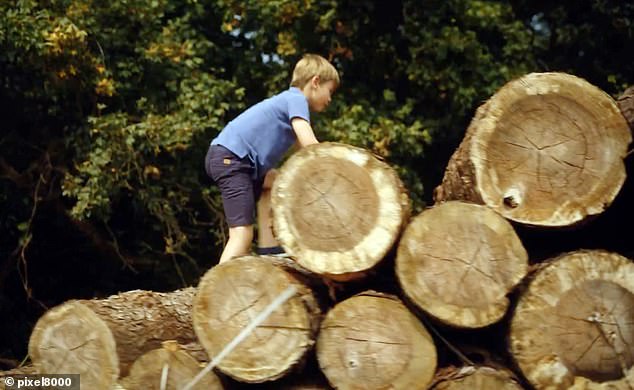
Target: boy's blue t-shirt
263 132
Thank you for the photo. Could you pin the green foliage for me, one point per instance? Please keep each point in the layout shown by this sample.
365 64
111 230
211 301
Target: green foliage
590 38
148 157
109 106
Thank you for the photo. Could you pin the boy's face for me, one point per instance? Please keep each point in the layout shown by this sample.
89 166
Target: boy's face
321 94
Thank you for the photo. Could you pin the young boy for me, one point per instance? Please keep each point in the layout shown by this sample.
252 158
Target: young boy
241 158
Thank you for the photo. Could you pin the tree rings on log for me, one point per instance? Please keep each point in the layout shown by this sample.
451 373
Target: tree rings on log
231 295
337 209
72 339
372 341
573 327
547 150
171 366
458 261
475 378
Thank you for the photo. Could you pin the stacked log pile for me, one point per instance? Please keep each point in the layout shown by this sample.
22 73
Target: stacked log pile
383 300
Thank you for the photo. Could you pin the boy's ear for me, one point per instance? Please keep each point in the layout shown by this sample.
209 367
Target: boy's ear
314 81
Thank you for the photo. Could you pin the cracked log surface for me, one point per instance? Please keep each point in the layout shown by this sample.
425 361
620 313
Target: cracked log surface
475 378
337 209
372 341
68 337
547 150
449 252
231 295
573 327
172 363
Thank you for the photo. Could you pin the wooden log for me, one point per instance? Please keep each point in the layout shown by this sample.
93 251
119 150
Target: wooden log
23 370
170 365
16 372
138 321
546 150
72 339
337 209
372 341
573 326
231 295
141 320
475 378
626 105
449 253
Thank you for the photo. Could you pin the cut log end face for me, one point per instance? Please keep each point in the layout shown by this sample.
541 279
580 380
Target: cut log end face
174 368
549 150
230 296
337 209
450 252
337 205
574 323
71 339
595 333
373 342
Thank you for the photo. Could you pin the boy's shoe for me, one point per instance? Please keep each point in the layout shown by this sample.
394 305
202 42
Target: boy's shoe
276 251
283 254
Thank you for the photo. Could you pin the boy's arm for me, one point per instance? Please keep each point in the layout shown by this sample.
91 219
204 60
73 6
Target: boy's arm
304 132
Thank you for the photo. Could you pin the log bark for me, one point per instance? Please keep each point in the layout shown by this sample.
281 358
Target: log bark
475 378
172 363
626 105
72 339
141 320
337 209
573 325
449 252
231 295
24 370
546 150
16 373
372 341
138 322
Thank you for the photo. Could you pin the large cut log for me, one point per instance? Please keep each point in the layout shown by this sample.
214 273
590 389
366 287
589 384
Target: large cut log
547 150
72 339
475 378
138 321
141 320
573 327
231 295
626 105
337 209
449 252
168 368
372 341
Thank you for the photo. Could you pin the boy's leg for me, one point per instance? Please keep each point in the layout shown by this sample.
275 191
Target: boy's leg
233 176
239 243
266 239
267 244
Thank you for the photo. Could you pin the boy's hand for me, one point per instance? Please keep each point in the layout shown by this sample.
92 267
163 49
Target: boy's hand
303 131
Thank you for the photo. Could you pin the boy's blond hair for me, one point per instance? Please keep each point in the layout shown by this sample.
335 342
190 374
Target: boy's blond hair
313 65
